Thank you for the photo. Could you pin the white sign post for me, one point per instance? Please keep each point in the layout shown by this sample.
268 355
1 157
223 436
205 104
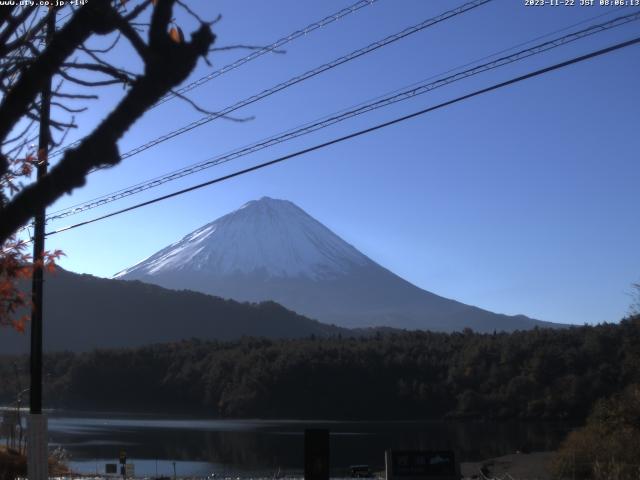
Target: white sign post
37 455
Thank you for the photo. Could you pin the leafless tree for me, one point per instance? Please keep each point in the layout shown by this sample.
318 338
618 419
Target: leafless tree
634 309
26 63
77 57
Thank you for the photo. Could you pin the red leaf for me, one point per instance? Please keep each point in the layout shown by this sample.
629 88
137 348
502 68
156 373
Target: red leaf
176 34
20 325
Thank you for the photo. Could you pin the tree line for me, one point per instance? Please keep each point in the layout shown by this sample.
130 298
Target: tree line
538 374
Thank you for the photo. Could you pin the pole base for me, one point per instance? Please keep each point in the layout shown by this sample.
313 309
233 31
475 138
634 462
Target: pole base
37 447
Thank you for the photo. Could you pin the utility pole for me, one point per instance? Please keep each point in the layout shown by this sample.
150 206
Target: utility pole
37 446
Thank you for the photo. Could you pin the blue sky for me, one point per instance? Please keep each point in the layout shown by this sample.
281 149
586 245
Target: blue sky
524 200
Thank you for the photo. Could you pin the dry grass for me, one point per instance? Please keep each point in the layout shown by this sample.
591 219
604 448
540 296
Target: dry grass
608 447
14 464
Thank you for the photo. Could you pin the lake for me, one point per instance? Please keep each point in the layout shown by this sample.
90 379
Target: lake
200 447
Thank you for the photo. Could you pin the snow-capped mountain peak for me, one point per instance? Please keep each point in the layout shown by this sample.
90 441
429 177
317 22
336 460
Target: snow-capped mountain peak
268 236
272 250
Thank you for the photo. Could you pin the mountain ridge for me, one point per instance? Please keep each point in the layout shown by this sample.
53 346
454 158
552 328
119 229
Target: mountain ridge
83 312
271 249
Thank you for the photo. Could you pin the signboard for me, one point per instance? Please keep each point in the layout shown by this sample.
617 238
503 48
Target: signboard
316 454
130 470
111 468
421 464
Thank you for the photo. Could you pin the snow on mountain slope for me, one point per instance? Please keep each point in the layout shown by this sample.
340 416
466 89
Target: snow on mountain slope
274 237
272 250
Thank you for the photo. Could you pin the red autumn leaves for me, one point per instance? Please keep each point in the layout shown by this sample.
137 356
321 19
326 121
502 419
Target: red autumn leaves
16 268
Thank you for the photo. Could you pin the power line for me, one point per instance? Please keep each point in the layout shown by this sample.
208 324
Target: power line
413 91
298 153
270 48
252 56
305 76
309 74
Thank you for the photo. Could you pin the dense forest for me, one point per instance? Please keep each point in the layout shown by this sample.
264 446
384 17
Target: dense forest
608 446
537 374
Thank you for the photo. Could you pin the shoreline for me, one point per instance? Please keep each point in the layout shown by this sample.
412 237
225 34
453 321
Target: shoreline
534 465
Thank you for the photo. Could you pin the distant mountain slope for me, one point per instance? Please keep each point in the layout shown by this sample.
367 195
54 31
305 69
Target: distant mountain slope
272 250
82 312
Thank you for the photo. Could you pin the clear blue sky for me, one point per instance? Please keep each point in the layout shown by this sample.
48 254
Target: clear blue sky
524 200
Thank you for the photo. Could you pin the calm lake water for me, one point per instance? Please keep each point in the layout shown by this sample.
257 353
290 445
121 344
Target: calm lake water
200 447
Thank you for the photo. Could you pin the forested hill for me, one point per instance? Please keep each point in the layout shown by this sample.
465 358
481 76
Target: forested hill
538 374
83 312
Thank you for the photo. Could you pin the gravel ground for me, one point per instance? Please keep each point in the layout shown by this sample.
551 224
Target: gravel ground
518 466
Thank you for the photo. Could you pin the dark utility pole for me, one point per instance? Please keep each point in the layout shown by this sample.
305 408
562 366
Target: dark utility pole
37 453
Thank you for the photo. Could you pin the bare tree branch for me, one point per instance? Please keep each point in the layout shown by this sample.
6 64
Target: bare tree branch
209 112
69 109
166 64
88 83
121 75
13 24
75 96
136 41
92 18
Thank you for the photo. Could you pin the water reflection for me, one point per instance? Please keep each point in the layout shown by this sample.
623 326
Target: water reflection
203 446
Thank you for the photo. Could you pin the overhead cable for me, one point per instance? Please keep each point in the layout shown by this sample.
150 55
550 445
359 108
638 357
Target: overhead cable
252 56
304 76
359 133
398 96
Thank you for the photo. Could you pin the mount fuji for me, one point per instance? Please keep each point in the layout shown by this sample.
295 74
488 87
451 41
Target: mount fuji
271 249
